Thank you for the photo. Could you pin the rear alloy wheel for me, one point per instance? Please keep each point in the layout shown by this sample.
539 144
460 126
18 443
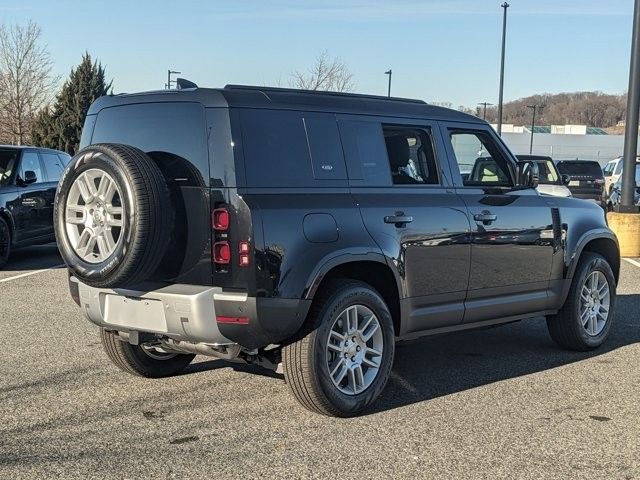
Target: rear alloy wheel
142 360
342 365
584 322
5 242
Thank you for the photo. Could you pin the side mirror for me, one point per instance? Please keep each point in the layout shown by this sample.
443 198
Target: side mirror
528 174
565 179
30 177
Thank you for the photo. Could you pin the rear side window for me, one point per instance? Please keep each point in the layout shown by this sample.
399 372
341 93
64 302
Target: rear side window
291 149
53 166
411 155
365 152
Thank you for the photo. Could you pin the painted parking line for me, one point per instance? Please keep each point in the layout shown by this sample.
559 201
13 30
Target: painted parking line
632 262
22 275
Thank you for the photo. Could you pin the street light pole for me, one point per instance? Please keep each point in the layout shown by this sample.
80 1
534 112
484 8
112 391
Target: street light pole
388 72
631 126
169 81
505 5
484 109
533 124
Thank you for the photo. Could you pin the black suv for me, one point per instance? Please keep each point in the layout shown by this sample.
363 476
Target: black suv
315 229
586 179
28 180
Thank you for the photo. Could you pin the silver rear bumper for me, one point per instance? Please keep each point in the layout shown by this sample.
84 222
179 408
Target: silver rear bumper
181 312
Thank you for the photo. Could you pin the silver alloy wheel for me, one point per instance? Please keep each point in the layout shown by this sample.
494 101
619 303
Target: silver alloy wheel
595 300
94 215
354 349
156 354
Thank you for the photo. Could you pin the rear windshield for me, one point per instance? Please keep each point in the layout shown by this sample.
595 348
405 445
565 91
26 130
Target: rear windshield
580 168
7 164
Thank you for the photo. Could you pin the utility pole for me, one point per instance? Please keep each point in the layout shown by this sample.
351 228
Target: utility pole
484 109
505 5
534 108
388 72
631 127
169 81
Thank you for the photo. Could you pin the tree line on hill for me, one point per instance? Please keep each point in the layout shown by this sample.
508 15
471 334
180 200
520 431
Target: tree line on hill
594 109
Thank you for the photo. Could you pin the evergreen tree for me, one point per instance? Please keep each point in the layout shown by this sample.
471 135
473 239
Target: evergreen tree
60 126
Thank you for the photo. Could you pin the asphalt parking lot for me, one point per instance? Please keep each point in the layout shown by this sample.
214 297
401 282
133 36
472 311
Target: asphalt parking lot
497 403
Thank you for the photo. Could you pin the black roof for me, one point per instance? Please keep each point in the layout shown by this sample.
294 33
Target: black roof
243 96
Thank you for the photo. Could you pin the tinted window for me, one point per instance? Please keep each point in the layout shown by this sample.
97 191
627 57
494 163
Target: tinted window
291 149
173 133
479 159
31 162
365 153
580 168
411 155
7 164
53 166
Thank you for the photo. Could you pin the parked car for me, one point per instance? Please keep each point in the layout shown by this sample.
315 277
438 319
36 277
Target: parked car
551 181
28 180
612 172
315 229
615 196
586 179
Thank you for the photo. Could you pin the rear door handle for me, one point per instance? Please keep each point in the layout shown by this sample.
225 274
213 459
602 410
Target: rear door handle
399 219
485 217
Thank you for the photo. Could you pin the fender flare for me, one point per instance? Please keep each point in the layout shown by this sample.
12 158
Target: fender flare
587 237
341 258
6 214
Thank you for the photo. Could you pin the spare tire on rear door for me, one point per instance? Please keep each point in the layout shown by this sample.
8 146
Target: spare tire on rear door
113 215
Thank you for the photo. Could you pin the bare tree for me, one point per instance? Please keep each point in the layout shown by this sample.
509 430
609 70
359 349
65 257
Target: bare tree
26 83
327 73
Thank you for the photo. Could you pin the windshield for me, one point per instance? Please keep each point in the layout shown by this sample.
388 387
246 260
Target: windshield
7 164
548 173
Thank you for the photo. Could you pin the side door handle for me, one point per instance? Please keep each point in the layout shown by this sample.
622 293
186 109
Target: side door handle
399 219
486 217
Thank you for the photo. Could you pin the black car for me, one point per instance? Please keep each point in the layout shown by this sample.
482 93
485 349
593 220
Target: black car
28 180
315 229
586 179
616 192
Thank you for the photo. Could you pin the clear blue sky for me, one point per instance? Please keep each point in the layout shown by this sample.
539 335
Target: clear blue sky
439 50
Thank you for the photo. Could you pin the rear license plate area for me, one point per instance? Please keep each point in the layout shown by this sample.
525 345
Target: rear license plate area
135 313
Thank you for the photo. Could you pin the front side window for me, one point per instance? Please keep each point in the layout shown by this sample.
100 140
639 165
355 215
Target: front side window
548 173
30 163
619 167
411 156
479 160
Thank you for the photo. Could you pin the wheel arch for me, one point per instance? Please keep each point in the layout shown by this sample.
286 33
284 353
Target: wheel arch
603 243
4 213
371 269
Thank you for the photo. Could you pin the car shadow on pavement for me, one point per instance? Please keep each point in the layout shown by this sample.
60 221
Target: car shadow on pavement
442 365
36 257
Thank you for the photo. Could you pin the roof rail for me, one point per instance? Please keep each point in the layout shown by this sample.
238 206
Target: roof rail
321 92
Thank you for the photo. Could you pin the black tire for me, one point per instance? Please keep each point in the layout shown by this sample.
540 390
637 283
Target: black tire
147 225
5 242
304 362
134 360
565 327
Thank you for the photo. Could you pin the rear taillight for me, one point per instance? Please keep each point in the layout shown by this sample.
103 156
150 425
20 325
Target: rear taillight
221 253
220 219
244 258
